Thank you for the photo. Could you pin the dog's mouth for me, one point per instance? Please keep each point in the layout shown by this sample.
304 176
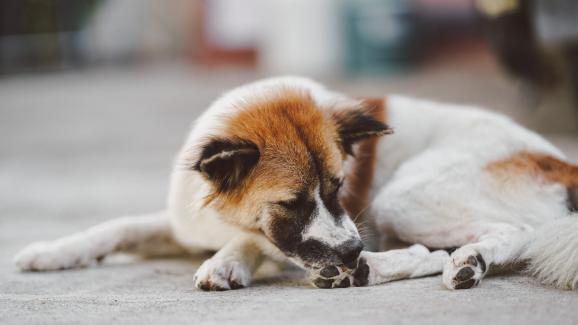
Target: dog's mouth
330 265
316 254
326 267
330 271
321 244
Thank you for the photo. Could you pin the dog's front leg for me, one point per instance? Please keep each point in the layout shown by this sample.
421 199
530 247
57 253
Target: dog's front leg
413 262
376 268
231 267
148 235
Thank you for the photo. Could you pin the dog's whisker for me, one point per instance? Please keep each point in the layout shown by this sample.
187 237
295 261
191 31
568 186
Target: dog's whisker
360 213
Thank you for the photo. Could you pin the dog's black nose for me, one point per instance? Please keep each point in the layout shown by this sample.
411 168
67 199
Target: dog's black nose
349 252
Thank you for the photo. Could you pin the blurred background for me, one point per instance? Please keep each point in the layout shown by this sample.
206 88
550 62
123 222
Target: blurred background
518 56
97 95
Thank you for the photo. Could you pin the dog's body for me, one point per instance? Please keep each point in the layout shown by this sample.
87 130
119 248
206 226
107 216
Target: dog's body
448 177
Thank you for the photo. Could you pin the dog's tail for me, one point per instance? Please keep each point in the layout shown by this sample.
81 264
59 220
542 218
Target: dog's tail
552 253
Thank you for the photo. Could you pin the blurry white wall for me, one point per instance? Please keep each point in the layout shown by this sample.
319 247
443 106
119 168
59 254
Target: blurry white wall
234 23
125 29
301 36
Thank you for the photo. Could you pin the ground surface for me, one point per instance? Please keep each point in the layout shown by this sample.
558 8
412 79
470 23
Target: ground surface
77 149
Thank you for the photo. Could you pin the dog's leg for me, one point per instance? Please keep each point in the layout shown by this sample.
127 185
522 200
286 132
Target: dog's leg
413 262
147 235
494 244
232 266
376 268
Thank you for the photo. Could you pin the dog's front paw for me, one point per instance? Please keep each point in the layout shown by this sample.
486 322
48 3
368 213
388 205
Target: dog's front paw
465 269
50 256
219 274
331 277
341 277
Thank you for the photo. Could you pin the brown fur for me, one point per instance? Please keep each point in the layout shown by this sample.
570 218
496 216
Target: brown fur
301 147
547 168
550 168
355 198
298 145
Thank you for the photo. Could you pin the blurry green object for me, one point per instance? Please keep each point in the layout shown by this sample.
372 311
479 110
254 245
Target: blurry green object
379 36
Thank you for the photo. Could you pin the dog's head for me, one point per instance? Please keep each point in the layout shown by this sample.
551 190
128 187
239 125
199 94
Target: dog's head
278 167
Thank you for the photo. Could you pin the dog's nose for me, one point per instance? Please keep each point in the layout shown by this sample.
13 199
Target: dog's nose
349 252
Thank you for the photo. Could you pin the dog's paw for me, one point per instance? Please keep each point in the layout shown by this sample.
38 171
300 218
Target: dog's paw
465 269
50 256
219 274
331 277
341 277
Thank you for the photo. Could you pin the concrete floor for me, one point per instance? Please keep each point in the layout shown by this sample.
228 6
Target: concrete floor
80 148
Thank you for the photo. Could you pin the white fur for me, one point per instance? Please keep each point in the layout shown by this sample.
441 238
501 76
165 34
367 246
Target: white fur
148 234
430 187
553 253
323 226
497 243
415 261
233 264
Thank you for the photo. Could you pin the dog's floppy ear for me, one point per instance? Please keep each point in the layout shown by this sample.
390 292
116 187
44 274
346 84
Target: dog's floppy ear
227 162
360 122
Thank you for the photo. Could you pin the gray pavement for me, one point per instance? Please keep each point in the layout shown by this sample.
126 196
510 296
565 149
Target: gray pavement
77 149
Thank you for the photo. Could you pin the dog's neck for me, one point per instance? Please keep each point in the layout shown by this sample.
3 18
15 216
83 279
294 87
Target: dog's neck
359 178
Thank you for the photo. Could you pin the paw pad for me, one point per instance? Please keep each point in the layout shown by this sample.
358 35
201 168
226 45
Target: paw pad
342 276
465 273
361 274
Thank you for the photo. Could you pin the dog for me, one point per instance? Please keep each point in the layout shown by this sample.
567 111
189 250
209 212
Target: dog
282 169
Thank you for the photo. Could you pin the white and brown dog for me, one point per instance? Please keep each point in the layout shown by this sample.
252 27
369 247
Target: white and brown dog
283 167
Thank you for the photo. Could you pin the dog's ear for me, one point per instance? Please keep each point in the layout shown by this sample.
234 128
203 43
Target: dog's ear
361 122
227 162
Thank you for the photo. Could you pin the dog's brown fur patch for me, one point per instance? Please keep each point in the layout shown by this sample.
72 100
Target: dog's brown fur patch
551 168
544 166
355 198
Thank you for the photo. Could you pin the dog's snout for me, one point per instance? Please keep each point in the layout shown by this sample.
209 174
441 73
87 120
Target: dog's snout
349 252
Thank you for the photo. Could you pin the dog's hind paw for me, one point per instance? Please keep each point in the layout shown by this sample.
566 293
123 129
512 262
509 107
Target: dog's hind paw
465 269
222 273
340 276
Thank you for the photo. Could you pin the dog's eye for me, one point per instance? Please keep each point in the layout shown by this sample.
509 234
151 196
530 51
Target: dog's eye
289 204
337 183
340 184
300 200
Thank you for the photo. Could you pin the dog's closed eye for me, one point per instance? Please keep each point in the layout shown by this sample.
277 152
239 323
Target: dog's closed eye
298 201
337 184
291 204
